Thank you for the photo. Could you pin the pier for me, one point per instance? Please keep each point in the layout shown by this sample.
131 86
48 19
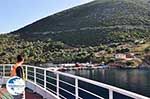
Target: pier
81 66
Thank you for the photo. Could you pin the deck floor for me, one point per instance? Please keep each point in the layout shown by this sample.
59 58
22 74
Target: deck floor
28 94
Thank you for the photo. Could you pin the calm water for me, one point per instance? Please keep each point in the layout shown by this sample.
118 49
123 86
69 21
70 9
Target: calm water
134 80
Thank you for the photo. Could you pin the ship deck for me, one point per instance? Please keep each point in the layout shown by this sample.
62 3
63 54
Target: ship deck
29 94
50 84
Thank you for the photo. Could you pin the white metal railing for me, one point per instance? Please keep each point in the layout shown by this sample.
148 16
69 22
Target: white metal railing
53 81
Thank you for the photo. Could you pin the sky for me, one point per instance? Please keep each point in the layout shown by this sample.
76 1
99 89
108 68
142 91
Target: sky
15 14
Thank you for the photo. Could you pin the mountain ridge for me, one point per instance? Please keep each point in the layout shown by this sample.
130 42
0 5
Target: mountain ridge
94 21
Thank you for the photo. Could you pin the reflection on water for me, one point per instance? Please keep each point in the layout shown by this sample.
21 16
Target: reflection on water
130 79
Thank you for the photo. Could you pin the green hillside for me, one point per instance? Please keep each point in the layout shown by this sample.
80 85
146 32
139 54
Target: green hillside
100 21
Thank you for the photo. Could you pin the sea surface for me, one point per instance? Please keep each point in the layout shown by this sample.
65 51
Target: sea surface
135 80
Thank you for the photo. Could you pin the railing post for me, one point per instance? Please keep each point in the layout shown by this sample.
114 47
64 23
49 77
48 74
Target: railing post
45 78
34 75
57 76
26 72
110 94
3 70
76 88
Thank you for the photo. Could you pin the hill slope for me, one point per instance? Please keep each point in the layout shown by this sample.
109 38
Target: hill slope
100 21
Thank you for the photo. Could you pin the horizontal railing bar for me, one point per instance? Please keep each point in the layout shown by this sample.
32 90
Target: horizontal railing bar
7 72
7 76
51 84
40 84
30 75
34 67
66 83
62 96
51 90
30 71
6 68
51 77
66 91
40 79
40 74
6 64
91 93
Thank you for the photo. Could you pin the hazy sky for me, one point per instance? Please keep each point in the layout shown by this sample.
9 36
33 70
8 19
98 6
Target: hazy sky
15 14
